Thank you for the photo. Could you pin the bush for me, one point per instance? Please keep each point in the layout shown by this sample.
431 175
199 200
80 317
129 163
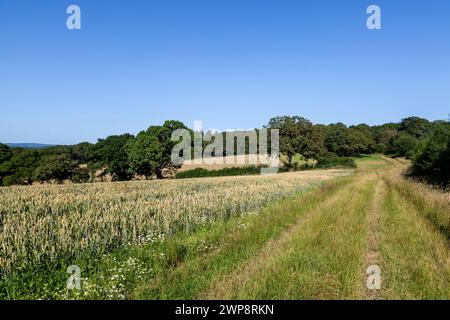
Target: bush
404 145
5 153
233 171
55 167
19 169
15 179
336 162
80 175
433 159
300 167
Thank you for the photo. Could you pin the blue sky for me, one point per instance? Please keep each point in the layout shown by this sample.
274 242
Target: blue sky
230 63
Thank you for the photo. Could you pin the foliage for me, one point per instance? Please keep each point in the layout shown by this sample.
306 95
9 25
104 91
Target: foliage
433 158
383 135
111 153
82 152
336 162
55 167
19 168
348 142
232 171
297 135
150 153
415 126
5 153
403 145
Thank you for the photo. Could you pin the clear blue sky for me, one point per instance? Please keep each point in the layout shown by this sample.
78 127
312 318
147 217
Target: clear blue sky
230 63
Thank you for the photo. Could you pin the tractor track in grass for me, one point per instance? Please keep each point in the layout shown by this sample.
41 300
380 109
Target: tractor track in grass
417 258
225 286
372 255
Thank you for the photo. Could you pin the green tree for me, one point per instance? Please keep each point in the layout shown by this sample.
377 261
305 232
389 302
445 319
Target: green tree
5 153
349 142
433 158
20 167
416 127
339 141
404 145
111 154
364 136
297 136
57 167
383 137
82 152
150 153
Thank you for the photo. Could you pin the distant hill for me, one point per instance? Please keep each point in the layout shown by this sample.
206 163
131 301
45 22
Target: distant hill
29 145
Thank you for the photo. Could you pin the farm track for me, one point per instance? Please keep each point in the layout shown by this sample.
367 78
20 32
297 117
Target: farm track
373 256
293 266
268 256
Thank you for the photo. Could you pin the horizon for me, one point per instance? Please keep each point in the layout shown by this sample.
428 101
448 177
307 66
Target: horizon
230 64
49 144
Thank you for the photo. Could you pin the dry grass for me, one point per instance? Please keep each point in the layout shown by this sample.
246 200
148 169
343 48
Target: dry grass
414 234
433 203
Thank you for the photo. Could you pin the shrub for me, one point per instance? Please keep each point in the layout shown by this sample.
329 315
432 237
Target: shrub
433 159
404 145
80 175
300 167
233 171
336 162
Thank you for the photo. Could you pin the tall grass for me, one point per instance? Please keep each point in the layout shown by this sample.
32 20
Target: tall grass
433 203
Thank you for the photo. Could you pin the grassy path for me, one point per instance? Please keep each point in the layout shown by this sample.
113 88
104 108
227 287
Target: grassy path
373 256
308 250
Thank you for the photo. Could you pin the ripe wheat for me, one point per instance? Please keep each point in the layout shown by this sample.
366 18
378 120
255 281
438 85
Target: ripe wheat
42 224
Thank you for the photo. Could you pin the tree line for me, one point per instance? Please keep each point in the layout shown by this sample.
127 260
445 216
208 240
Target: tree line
148 154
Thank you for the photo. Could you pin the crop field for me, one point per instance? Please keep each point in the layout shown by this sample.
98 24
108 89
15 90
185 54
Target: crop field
44 225
303 235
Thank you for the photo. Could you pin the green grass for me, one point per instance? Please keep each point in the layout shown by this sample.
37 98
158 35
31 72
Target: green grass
416 256
320 260
371 162
433 204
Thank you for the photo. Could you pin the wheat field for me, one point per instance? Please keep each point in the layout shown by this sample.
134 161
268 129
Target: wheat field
42 224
